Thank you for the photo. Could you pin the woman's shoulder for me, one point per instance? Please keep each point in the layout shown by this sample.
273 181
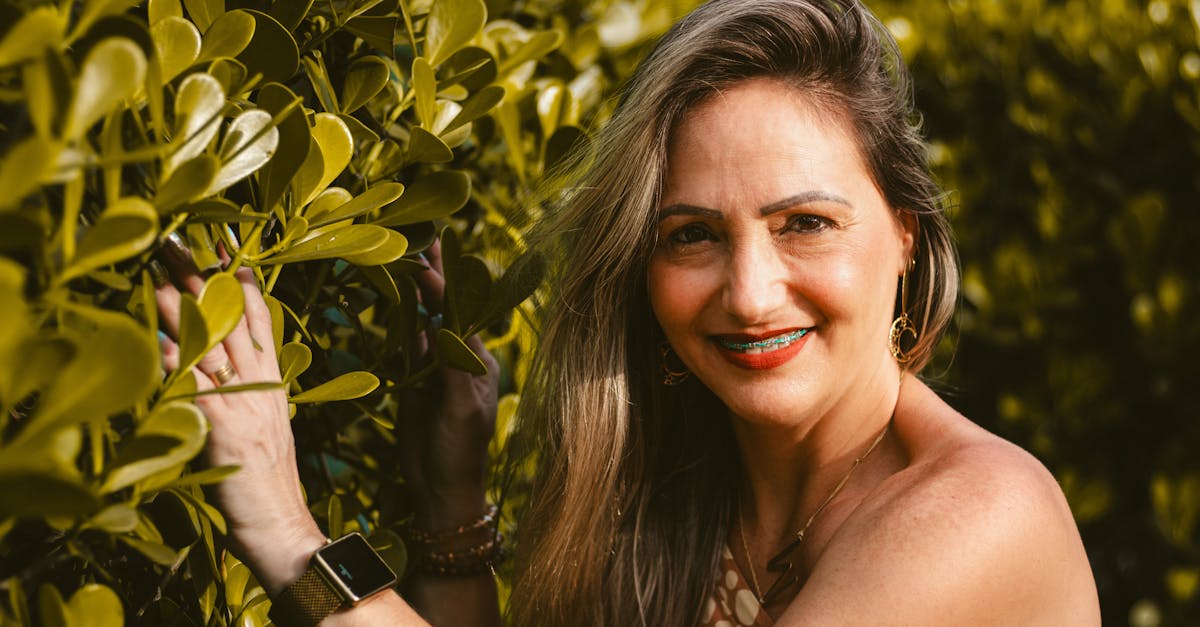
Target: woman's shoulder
970 530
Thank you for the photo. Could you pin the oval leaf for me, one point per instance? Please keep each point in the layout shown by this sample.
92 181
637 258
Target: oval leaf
248 144
365 202
336 146
188 183
346 387
455 353
273 52
38 29
228 36
433 196
294 359
365 78
346 240
124 230
198 106
36 495
452 24
95 605
294 140
221 303
114 70
172 435
387 252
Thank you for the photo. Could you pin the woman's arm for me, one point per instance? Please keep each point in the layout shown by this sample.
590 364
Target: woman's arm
269 524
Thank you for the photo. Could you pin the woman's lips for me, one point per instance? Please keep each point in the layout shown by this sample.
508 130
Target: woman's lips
761 352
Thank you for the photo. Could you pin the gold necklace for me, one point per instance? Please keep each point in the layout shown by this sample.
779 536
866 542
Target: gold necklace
780 562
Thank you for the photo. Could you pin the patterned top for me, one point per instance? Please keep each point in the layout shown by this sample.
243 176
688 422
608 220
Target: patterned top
733 603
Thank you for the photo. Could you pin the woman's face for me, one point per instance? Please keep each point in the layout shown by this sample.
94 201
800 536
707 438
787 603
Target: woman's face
777 262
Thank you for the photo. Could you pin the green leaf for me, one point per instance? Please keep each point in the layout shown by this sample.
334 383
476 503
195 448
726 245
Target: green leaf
221 302
294 359
425 147
394 248
114 70
326 159
334 516
95 605
208 476
538 46
230 73
379 32
124 230
157 552
188 183
178 44
361 133
273 51
116 518
172 435
478 105
158 10
41 359
365 78
290 14
468 292
34 494
333 243
228 35
40 28
433 196
365 202
424 87
24 167
48 92
455 353
193 334
51 608
346 387
198 106
249 144
294 140
204 12
452 24
328 200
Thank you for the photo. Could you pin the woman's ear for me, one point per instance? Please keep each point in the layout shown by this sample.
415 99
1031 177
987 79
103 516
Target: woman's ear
908 228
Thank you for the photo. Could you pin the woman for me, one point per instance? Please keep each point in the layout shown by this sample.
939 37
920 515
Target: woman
723 405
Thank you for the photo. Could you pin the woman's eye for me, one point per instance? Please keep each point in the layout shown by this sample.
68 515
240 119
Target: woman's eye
807 223
690 234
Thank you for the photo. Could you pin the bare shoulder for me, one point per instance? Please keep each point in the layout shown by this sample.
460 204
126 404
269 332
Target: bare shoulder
970 529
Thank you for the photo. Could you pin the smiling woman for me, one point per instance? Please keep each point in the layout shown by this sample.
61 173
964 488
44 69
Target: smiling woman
754 266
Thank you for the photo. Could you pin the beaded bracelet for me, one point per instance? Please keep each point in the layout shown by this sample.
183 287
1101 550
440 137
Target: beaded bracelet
474 560
477 559
428 538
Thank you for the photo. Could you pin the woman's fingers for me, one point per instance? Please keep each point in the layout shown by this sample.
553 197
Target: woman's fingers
217 361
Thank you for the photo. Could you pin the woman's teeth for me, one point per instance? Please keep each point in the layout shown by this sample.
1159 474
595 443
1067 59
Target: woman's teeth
765 345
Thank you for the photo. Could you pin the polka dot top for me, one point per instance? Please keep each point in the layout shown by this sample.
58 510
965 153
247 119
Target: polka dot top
733 603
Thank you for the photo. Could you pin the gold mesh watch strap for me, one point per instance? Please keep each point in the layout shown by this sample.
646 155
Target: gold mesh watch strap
306 602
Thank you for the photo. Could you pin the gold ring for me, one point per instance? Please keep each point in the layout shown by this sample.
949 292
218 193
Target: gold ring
224 374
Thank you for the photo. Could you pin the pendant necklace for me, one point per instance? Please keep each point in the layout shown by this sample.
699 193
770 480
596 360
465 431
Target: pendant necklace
782 562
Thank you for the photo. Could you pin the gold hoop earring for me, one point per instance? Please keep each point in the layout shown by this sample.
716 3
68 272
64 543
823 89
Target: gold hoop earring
902 326
672 376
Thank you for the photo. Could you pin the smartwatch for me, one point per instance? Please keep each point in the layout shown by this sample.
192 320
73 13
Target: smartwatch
341 574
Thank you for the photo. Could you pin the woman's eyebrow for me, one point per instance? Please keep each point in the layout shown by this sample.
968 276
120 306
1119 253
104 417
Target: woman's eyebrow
802 199
779 205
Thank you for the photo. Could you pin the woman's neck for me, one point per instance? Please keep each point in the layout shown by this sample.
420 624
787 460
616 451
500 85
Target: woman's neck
790 466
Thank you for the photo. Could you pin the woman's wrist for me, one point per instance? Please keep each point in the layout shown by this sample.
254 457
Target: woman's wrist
279 560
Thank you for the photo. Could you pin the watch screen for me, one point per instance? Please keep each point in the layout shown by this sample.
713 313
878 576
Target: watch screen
357 566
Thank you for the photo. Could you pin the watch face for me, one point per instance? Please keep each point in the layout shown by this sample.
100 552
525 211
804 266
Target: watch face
355 567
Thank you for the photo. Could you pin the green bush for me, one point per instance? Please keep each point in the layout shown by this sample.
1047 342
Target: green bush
1069 133
337 139
324 144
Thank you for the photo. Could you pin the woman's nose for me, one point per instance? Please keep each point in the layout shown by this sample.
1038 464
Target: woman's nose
756 284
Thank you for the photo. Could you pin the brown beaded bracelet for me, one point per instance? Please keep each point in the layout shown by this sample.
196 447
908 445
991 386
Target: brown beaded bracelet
428 538
474 560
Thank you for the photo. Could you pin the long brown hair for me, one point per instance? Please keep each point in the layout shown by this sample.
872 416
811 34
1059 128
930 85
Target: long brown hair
633 494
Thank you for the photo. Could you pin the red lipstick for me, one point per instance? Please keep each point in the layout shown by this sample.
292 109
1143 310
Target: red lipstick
732 349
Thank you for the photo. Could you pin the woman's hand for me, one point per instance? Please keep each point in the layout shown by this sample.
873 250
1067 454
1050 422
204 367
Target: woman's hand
444 430
269 525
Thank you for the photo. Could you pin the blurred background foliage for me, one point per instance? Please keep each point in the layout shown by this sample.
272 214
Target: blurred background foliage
1067 131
